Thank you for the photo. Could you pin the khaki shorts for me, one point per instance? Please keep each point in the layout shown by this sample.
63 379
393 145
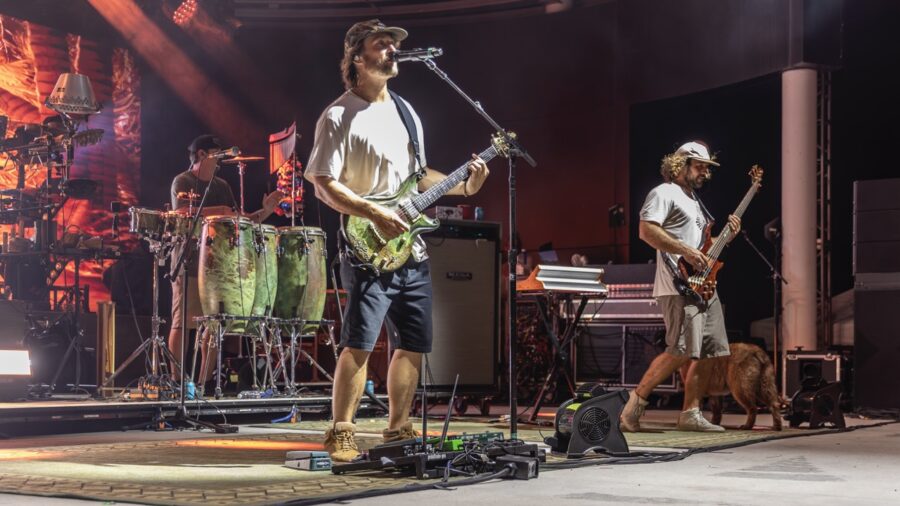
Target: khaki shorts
694 331
194 308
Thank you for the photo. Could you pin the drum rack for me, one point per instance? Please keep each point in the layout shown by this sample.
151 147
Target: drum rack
268 335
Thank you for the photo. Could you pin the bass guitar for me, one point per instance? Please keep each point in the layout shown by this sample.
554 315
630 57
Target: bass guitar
700 285
368 244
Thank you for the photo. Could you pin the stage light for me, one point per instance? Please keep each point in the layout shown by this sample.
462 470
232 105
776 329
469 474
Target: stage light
15 363
185 12
73 94
15 373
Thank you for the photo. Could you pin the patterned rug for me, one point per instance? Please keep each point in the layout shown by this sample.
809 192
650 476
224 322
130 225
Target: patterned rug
248 470
659 435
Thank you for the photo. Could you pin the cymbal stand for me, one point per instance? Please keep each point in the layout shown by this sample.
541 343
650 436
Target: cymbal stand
515 151
242 168
161 356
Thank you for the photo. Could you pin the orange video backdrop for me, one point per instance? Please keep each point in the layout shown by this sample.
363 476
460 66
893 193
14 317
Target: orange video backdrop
31 59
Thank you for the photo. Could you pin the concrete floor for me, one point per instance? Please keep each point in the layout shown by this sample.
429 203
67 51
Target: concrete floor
861 467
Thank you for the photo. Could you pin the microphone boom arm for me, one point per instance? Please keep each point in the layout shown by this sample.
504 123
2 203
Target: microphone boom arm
516 148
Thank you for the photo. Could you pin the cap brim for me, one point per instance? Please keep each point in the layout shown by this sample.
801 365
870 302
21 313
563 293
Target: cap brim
398 33
704 160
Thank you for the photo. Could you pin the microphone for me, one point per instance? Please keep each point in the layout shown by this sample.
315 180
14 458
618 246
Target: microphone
416 54
223 153
115 206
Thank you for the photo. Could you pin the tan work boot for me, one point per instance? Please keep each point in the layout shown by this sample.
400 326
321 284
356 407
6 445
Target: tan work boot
404 432
630 421
339 442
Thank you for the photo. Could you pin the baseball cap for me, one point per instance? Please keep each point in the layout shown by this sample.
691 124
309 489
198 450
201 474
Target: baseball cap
204 142
697 151
359 31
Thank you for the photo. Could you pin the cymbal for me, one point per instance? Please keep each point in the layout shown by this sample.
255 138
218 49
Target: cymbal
240 159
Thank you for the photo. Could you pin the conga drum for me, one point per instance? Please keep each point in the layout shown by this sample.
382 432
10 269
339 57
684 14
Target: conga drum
227 273
301 274
266 237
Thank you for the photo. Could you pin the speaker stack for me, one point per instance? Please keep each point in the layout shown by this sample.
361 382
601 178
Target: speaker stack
876 267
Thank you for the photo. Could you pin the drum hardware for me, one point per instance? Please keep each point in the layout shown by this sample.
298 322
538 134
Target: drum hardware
241 162
161 358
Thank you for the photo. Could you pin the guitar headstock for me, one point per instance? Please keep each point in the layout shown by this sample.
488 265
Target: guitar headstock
500 143
756 174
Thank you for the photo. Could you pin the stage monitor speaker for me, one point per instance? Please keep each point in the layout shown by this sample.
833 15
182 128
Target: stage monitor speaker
465 274
876 353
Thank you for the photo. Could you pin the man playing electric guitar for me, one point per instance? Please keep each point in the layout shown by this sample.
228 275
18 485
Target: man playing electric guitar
673 221
367 143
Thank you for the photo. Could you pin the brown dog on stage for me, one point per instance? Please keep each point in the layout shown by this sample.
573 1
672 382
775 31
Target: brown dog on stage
749 375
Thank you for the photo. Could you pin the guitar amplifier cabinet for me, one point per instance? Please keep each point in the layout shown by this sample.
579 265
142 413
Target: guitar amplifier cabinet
465 275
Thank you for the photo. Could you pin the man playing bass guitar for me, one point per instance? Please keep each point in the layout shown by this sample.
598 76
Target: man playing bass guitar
368 142
673 221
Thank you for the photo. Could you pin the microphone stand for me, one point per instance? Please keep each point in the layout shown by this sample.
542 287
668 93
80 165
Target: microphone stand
777 278
515 151
181 268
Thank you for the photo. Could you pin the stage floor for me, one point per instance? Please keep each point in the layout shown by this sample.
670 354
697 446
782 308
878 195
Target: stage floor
187 467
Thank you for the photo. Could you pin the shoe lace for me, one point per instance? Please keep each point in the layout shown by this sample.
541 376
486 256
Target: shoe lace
639 410
344 440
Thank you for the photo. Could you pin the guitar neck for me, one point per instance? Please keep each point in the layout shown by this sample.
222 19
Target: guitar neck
428 197
725 235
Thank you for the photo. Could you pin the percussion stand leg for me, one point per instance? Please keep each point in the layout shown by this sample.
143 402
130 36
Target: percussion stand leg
203 332
255 341
220 337
293 362
268 343
281 369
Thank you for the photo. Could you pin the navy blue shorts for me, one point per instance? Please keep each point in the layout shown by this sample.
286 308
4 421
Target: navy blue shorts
403 296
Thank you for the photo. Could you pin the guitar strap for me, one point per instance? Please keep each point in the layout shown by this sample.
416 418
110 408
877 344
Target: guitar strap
410 125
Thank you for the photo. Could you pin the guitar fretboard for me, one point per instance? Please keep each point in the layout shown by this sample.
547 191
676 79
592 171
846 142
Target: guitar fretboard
428 197
725 235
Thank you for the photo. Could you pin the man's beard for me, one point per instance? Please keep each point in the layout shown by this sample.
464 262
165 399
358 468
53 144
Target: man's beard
385 67
697 182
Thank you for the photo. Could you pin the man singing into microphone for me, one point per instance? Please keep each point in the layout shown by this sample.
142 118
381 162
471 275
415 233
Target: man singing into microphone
364 148
187 190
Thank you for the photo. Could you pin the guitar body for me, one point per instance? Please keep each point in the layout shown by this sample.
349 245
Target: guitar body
369 246
703 287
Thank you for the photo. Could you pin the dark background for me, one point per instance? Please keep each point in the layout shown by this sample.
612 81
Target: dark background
597 94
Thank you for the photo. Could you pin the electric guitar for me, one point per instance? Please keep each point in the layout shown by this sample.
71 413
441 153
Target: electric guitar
700 285
368 244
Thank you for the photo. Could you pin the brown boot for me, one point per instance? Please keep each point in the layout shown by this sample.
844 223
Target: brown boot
404 432
339 442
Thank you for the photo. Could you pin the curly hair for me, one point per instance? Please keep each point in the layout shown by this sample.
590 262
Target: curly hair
671 166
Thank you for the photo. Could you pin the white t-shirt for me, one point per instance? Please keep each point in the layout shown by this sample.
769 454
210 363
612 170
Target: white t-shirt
365 146
680 215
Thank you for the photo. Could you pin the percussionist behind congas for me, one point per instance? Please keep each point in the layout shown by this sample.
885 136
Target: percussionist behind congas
187 189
